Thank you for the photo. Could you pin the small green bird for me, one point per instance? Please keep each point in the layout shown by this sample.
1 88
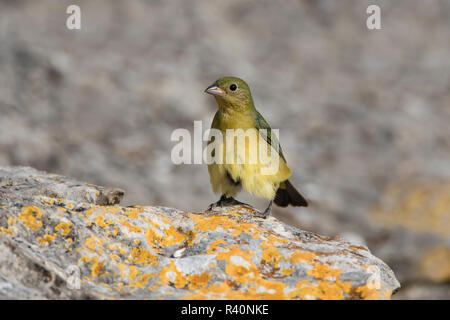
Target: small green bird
237 111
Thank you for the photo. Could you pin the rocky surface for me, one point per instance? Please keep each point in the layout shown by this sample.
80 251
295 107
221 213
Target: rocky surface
61 238
363 114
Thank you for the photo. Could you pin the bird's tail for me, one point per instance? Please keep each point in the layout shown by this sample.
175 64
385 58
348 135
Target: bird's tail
288 195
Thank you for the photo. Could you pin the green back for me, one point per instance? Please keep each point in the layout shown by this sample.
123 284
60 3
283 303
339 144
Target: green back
261 123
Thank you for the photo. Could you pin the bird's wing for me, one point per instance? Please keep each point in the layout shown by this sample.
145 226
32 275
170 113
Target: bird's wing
270 138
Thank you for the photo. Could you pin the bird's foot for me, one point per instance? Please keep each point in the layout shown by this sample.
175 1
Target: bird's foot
266 212
219 203
225 201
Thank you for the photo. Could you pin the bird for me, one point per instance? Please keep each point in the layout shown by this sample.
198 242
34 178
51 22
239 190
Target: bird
236 110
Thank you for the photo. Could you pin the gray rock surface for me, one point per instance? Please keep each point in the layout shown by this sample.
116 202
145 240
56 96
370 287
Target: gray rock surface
59 240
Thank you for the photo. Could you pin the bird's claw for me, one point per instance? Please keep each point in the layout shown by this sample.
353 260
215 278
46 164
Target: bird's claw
226 202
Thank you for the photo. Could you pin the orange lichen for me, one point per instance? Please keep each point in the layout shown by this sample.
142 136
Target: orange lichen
171 276
299 256
122 267
114 257
133 272
113 247
272 257
130 227
272 241
152 239
30 217
141 281
199 281
94 244
99 221
267 289
143 257
328 287
287 272
240 266
213 248
211 223
96 267
247 228
46 239
89 211
6 231
48 202
259 289
322 271
133 213
309 291
227 255
171 238
115 231
207 224
63 228
368 292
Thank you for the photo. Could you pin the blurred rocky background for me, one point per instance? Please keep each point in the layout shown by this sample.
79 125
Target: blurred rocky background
364 114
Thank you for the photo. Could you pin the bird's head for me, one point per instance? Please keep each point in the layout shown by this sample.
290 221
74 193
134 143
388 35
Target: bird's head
231 92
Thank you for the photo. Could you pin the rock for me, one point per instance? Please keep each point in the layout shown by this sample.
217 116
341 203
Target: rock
58 240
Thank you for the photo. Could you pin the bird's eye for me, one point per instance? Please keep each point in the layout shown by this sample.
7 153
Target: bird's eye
233 87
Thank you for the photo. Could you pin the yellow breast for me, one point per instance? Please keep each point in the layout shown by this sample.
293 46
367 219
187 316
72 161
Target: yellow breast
247 158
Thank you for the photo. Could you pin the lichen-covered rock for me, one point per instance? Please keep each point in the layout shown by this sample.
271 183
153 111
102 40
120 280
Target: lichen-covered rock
61 238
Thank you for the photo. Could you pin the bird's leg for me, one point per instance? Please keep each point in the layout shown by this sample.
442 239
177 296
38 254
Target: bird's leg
233 202
266 212
218 203
226 201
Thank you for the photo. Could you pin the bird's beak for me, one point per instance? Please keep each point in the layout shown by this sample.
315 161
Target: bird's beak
214 90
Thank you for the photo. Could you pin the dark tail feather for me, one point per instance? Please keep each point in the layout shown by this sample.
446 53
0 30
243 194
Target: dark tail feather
288 195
